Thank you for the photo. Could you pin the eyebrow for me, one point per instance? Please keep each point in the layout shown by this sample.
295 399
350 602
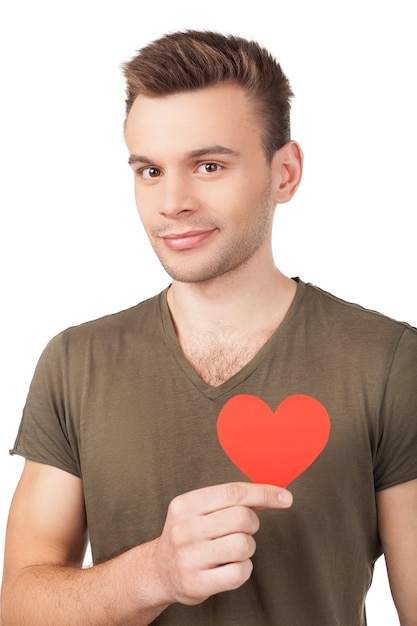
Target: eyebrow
215 149
193 154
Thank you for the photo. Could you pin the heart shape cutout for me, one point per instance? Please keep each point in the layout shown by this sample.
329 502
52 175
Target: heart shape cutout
273 447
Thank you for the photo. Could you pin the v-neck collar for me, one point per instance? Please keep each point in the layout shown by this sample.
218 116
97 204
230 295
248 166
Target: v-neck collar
216 392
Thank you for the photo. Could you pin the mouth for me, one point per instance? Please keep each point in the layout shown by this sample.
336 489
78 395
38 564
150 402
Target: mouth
184 241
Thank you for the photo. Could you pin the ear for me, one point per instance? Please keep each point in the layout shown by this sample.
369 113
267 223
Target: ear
287 169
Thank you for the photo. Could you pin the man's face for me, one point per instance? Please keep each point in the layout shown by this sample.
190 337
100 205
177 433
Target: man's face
202 180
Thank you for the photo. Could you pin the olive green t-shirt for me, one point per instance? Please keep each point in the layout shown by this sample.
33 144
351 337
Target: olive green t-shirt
115 402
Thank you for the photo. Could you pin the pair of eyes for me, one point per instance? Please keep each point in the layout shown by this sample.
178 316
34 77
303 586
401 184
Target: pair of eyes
154 172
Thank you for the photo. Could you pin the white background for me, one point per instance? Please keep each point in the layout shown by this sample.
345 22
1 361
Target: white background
71 244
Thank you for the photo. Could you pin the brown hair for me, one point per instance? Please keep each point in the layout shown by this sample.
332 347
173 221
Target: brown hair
190 60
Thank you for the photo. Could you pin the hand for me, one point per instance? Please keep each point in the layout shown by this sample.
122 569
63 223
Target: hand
207 543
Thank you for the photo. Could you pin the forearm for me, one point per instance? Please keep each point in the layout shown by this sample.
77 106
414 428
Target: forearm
122 592
409 618
407 608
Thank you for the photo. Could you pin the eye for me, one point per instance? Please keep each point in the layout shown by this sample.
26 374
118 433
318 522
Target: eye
209 168
150 172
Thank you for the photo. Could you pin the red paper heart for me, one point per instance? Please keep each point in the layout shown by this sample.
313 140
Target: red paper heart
273 448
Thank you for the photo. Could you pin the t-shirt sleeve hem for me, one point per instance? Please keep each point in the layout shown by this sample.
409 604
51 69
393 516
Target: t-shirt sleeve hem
395 483
51 462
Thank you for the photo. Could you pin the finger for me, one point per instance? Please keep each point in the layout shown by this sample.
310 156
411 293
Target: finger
215 580
227 577
234 548
251 495
236 519
209 499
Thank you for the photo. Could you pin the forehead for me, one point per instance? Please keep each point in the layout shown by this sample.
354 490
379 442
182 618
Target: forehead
222 114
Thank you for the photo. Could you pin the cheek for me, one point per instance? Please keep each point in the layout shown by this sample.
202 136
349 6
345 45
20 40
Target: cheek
144 215
144 203
227 201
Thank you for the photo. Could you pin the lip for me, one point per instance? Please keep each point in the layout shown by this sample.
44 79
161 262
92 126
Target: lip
189 239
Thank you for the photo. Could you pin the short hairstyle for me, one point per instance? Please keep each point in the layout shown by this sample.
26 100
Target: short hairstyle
190 60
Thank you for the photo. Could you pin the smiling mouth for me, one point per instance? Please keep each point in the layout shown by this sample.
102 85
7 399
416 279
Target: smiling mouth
184 241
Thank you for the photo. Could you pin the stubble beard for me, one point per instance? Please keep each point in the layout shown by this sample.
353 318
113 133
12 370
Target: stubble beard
227 260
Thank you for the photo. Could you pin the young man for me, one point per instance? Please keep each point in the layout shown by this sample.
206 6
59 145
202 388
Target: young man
141 429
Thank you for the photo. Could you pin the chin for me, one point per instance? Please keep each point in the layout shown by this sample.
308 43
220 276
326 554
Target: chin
188 271
203 275
189 277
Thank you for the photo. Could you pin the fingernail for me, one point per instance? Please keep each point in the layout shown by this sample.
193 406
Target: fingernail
284 497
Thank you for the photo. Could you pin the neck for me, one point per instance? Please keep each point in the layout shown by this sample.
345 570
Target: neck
221 324
250 302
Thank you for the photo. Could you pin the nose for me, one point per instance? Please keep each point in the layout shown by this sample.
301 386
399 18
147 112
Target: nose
177 196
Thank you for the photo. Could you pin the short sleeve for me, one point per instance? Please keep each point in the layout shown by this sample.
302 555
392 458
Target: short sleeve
396 456
46 433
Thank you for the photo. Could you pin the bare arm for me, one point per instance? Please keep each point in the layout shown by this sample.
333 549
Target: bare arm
46 541
397 520
45 545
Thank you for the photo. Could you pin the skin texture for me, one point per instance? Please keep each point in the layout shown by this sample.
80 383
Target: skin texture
397 520
46 542
206 195
196 173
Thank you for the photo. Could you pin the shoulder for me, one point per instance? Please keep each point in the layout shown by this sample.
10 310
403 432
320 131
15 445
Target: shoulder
353 320
359 342
110 332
